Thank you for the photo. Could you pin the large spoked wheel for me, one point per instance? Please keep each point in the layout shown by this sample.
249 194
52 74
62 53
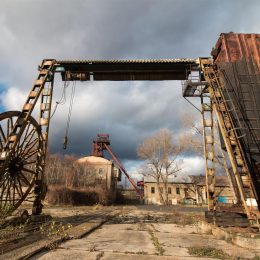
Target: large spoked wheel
18 172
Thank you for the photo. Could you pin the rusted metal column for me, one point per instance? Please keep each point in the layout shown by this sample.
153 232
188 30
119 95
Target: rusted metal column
209 154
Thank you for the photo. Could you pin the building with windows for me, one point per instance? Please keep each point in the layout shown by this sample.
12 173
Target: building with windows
183 189
177 189
103 171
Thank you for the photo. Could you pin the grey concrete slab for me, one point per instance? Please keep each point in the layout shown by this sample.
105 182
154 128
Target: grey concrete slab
134 241
174 240
134 227
176 229
60 254
114 240
120 256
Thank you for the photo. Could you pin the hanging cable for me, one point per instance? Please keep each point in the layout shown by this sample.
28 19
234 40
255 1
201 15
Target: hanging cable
62 100
69 115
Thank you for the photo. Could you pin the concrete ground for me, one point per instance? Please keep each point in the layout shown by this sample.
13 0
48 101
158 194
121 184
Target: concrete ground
132 236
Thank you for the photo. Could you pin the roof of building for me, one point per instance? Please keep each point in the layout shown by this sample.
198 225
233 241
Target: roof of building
221 181
94 160
171 179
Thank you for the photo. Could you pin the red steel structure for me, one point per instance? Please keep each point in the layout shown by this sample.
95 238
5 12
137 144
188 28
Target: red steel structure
102 143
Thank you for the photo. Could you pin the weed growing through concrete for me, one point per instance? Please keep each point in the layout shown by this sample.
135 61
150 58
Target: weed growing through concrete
99 256
55 229
129 228
5 211
93 248
141 226
53 245
141 253
158 246
11 232
208 252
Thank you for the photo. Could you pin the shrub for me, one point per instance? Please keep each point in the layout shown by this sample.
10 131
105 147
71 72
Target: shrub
57 195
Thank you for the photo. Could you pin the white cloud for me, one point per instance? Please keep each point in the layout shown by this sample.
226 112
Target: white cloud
193 165
33 30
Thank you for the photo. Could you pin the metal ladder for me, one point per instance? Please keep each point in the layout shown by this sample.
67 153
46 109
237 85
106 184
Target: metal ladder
230 134
46 74
209 154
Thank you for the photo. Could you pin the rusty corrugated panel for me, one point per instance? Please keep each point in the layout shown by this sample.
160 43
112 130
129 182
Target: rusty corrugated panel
237 57
138 76
232 47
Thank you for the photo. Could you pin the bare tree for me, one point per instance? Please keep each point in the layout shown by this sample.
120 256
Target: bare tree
194 136
195 189
65 171
161 155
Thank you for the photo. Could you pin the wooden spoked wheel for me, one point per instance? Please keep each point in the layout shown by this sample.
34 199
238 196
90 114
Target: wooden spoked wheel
18 172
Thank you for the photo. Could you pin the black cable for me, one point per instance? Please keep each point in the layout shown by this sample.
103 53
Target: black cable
69 114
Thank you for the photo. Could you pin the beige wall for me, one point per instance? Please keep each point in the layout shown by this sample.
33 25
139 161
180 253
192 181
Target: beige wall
174 198
104 170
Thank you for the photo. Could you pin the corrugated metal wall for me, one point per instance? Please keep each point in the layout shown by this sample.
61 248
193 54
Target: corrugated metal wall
238 59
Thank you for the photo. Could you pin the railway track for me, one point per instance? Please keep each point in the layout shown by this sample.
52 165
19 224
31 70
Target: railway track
42 233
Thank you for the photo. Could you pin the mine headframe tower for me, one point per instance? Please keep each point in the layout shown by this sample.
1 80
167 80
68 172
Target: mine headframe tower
102 143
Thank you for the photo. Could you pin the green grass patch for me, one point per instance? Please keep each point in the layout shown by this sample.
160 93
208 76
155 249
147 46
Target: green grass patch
208 252
156 243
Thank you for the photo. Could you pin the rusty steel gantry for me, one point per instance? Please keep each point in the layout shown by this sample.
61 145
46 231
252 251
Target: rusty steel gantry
24 141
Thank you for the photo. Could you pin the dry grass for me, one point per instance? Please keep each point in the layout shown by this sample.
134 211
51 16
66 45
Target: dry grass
208 252
60 195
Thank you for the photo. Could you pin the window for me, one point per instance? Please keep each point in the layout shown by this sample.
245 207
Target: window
161 189
152 189
177 190
169 190
100 171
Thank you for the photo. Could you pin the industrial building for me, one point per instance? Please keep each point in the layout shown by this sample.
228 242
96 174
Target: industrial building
104 172
183 189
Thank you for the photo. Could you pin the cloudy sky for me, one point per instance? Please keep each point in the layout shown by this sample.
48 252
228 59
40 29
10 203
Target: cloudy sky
31 30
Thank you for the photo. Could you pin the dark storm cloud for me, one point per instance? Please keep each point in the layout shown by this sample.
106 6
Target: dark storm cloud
112 29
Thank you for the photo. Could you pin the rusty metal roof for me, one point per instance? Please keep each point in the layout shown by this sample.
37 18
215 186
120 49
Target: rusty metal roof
186 60
147 69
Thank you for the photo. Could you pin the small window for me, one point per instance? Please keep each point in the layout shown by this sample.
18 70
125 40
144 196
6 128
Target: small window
169 190
177 190
186 192
152 189
161 189
100 171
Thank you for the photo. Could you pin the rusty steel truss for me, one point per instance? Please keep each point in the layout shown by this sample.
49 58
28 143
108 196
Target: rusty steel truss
24 141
